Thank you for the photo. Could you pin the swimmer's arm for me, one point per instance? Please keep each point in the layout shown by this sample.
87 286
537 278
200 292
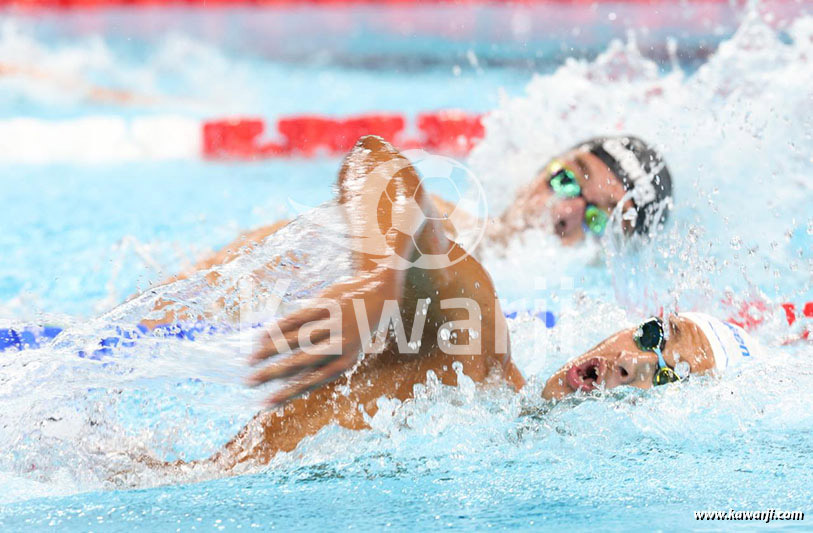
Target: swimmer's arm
376 282
466 278
92 92
242 245
370 168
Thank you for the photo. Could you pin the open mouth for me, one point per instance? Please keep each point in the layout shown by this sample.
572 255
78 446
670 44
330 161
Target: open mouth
586 376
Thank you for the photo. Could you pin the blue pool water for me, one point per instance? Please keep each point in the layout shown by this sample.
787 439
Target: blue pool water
732 110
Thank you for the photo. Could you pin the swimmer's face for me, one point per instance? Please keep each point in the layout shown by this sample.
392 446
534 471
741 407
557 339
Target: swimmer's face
618 361
599 187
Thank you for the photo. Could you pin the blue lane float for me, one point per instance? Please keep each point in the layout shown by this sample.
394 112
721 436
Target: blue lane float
33 337
548 317
27 338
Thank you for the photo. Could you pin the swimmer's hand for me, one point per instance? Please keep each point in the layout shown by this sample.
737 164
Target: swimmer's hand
371 171
324 341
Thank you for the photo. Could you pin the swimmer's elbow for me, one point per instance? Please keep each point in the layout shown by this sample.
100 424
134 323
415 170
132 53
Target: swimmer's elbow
512 374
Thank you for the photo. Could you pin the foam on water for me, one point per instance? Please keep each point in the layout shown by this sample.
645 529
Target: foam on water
737 137
114 407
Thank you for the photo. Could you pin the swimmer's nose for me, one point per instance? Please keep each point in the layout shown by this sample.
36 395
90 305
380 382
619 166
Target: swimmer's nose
629 368
568 215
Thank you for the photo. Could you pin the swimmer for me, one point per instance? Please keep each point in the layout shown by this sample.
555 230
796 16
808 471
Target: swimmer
451 315
576 193
340 372
655 353
75 84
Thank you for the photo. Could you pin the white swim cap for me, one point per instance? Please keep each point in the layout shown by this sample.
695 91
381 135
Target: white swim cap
730 344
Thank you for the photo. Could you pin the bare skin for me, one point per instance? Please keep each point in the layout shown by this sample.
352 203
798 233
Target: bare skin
536 205
91 92
391 373
618 361
336 396
244 244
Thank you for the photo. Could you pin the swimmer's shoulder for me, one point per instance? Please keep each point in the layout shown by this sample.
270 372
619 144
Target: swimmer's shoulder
245 243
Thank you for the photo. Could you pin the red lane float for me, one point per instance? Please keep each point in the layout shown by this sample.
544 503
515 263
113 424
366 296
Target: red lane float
220 3
232 138
791 315
751 315
452 132
309 135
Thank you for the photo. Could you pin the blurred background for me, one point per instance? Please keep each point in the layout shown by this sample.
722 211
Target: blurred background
135 136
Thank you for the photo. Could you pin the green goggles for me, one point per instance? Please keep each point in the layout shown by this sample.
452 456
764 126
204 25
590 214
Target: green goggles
564 184
650 338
